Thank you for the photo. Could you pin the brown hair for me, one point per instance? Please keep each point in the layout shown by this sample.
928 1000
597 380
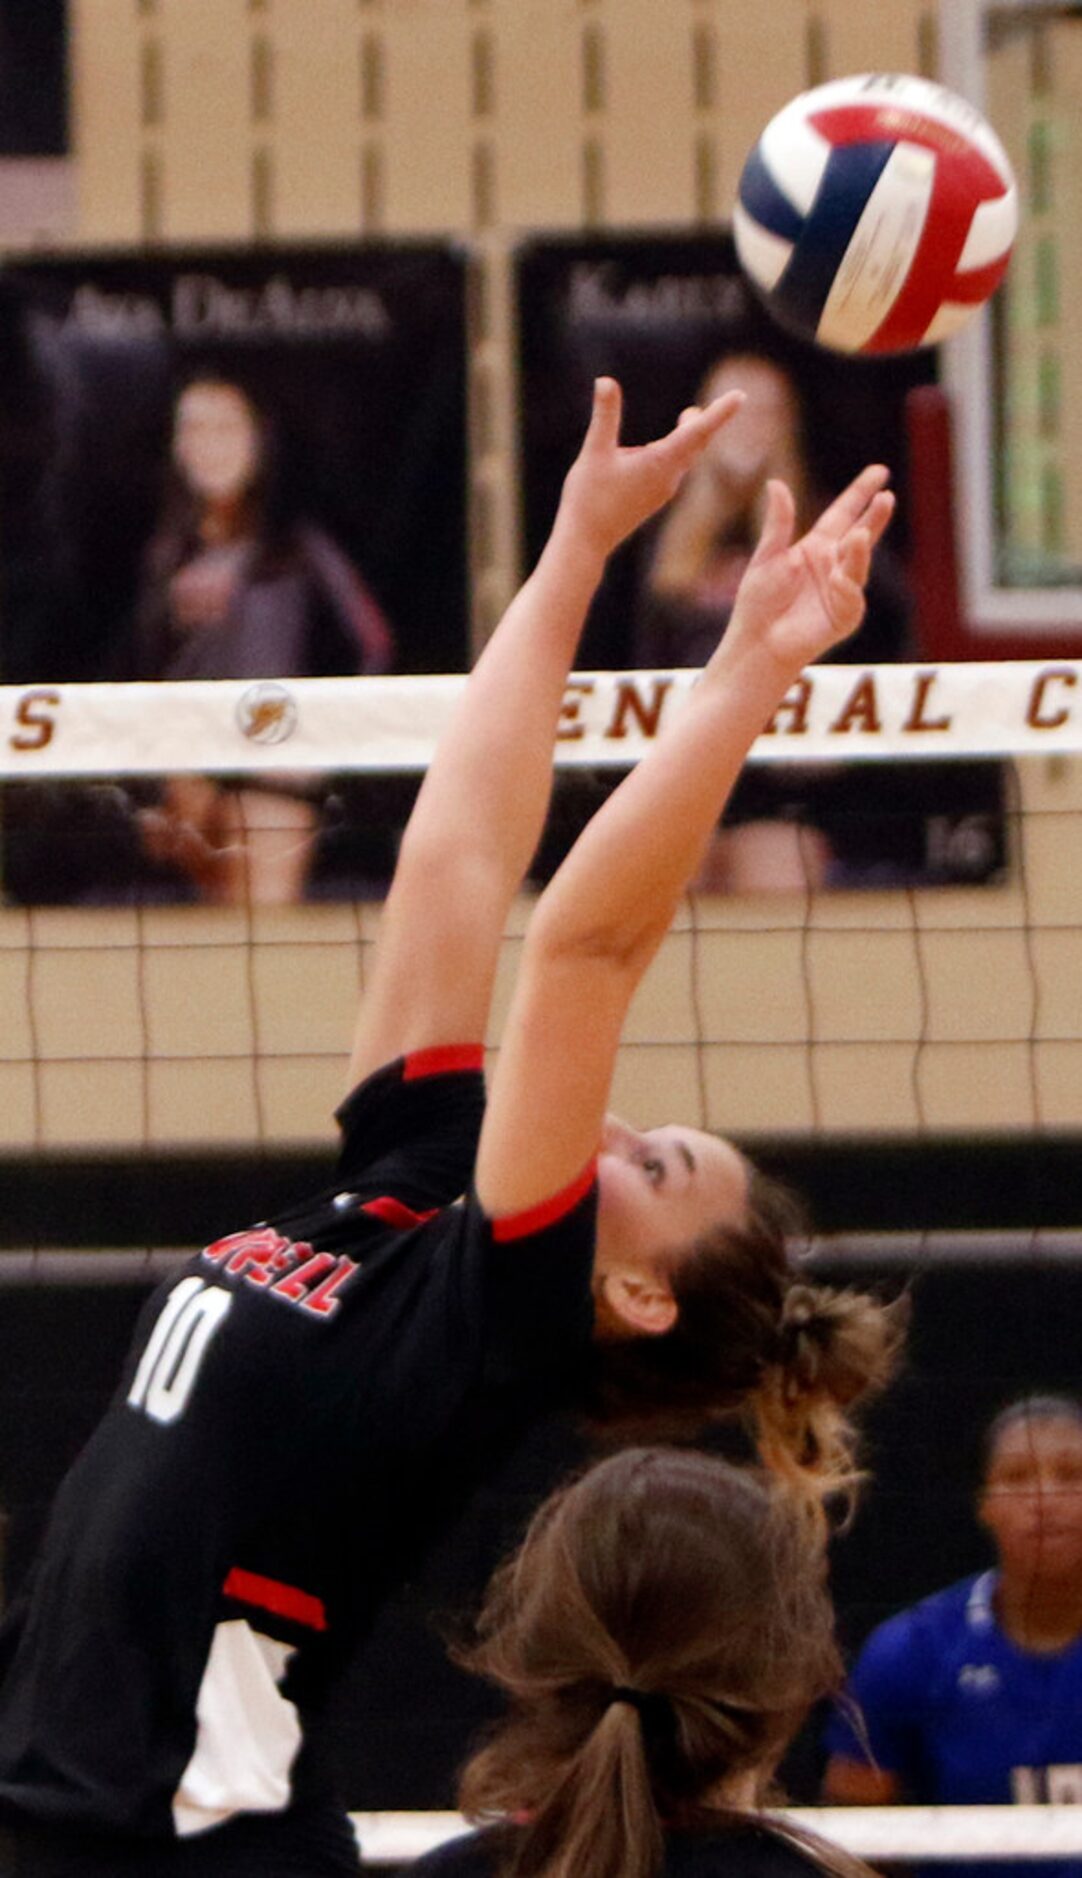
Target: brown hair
754 1341
665 1626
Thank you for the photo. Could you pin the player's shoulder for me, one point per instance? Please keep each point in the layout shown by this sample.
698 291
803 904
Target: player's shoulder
750 1849
469 1855
424 1090
409 1130
919 1634
966 1602
744 1850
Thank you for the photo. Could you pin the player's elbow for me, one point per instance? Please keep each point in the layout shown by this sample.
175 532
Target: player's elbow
621 947
448 873
855 1783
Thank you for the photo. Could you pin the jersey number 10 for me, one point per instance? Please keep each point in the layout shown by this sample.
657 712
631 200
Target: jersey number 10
178 1343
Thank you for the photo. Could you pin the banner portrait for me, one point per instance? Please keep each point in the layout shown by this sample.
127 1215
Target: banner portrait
228 464
674 319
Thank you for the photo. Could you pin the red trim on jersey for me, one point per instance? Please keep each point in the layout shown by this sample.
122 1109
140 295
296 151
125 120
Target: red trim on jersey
396 1213
536 1218
443 1060
284 1600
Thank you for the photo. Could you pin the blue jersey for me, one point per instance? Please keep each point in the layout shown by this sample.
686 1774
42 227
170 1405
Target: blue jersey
964 1717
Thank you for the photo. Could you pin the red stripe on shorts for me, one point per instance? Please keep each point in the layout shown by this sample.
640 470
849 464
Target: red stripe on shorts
443 1060
284 1600
536 1218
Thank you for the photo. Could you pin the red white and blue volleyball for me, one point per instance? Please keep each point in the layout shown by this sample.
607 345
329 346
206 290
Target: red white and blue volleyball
876 214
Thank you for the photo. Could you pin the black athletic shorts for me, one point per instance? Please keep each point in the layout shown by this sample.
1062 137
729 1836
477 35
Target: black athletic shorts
306 1842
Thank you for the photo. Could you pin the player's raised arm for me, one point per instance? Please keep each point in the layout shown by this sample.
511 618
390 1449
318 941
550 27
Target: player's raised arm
481 809
606 910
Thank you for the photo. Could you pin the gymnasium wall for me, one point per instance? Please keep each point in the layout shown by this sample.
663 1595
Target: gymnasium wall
199 120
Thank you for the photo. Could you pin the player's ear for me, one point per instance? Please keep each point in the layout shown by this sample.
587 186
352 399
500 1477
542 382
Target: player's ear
636 1304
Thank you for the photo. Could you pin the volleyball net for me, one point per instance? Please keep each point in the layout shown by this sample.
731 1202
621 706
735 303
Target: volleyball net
393 723
192 876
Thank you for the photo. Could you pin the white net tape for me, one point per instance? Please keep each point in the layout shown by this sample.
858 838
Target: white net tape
872 1832
387 724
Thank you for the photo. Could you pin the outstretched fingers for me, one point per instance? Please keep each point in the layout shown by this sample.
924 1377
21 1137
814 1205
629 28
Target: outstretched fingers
847 598
779 522
853 503
694 429
877 516
854 551
676 452
854 559
855 556
692 434
606 416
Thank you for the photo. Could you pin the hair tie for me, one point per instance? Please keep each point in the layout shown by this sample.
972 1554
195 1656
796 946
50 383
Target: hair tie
654 1709
660 1732
637 1698
803 1331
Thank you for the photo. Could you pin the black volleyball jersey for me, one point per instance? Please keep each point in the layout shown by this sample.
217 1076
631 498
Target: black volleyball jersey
300 1411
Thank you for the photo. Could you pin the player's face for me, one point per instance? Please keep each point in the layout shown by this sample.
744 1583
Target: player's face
658 1190
216 441
1032 1497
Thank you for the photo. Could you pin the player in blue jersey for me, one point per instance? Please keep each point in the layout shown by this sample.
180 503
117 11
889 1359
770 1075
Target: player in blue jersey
974 1696
304 1407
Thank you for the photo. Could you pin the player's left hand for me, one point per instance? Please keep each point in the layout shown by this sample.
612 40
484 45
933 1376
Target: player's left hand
611 488
799 598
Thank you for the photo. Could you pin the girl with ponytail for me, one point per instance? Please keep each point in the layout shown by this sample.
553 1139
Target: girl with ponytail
405 1339
660 1636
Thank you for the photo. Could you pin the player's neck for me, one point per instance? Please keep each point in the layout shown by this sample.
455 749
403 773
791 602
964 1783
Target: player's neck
1039 1614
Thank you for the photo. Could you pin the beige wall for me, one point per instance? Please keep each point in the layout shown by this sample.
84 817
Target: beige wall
200 119
228 119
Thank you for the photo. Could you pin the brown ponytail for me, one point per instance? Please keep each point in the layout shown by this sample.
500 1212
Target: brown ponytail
754 1343
664 1628
834 1347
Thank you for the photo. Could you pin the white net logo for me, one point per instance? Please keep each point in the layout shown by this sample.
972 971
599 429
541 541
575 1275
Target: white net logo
267 714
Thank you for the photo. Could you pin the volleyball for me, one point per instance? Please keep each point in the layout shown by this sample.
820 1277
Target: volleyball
876 214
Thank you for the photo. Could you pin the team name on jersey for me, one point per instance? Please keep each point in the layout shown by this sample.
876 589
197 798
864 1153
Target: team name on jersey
290 1270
